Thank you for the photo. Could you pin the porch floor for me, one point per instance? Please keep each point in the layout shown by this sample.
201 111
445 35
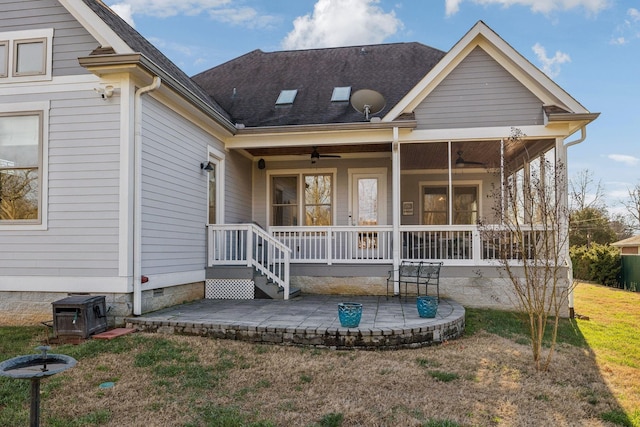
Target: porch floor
309 320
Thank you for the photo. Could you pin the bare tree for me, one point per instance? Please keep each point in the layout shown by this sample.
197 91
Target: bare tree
584 192
18 194
532 239
633 205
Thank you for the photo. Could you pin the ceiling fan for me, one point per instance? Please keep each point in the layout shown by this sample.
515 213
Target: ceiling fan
460 162
315 155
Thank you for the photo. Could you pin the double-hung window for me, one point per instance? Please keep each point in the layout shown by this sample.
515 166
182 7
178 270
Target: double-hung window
435 204
21 167
306 196
26 55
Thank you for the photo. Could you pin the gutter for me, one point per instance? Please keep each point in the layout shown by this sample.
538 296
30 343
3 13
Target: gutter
583 136
137 194
327 127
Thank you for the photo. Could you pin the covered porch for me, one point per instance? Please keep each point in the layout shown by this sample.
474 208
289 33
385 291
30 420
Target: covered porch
369 207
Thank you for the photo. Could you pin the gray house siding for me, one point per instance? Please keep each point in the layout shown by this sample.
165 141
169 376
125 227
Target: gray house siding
238 188
174 204
479 92
81 238
70 39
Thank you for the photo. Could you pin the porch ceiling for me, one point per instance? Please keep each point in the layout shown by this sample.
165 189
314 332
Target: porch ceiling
424 155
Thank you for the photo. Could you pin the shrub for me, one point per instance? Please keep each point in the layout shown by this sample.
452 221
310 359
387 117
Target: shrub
599 263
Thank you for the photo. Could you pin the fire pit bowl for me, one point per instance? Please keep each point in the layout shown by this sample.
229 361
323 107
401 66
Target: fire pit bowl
35 367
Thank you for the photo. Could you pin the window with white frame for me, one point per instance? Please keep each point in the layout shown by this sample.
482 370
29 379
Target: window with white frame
26 55
318 193
435 204
284 200
306 196
20 167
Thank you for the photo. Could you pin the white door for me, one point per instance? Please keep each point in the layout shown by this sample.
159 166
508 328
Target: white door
368 204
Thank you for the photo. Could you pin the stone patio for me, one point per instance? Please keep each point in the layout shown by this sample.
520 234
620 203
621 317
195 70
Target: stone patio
309 320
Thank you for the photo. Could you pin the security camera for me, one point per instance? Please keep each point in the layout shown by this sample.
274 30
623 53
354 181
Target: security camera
105 92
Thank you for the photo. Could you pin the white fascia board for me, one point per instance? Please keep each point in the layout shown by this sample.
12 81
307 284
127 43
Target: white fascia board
482 134
483 36
240 141
95 26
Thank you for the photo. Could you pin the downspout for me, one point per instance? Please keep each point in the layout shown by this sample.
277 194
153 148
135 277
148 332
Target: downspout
583 136
137 195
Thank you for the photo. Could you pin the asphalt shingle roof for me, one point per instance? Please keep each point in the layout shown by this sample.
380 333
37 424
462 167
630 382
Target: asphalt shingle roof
247 87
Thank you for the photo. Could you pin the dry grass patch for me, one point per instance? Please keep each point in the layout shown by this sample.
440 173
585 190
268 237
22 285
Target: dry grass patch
490 381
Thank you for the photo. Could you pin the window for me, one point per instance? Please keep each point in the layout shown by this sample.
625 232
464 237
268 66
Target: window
213 193
465 205
29 57
286 97
215 184
435 204
317 199
20 160
306 196
4 58
341 94
284 201
26 55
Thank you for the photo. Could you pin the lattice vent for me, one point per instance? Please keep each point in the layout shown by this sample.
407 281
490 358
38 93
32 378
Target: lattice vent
229 289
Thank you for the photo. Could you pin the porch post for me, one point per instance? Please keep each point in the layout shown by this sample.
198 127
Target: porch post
395 197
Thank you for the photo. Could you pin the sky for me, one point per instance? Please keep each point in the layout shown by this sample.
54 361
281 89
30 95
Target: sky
591 48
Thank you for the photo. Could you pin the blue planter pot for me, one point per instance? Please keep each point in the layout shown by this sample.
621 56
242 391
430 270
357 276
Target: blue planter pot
427 306
349 314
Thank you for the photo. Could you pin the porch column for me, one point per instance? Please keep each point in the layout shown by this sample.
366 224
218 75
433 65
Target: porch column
395 197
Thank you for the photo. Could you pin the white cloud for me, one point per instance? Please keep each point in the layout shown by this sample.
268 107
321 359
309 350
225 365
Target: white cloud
124 11
629 29
551 66
539 6
452 7
342 23
219 10
624 158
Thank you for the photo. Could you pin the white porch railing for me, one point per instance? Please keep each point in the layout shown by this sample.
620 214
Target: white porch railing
272 252
248 244
459 244
337 244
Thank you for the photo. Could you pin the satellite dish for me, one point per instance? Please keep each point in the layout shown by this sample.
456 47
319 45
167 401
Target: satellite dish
367 101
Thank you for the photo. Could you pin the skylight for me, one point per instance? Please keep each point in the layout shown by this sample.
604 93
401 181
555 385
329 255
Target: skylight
287 97
341 93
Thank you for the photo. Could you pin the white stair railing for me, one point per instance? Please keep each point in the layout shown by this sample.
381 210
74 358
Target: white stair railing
248 244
